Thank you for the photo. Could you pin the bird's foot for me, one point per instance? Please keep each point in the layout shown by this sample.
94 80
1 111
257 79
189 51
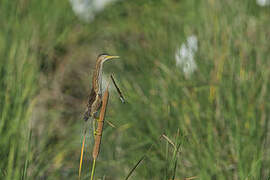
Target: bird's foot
97 133
98 120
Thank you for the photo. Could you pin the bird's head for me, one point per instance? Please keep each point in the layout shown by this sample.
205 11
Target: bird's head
104 57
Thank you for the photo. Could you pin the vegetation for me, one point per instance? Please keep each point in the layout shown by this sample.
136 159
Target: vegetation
217 118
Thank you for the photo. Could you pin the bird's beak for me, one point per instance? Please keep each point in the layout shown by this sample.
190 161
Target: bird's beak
112 57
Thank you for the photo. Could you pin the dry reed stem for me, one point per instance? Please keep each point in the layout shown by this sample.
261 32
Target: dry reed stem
99 130
118 90
136 165
100 124
168 139
110 124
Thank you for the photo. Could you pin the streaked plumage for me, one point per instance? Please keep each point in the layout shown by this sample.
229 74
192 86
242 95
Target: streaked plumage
95 97
94 101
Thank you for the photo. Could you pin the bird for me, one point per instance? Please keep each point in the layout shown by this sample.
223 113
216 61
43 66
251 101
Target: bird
95 97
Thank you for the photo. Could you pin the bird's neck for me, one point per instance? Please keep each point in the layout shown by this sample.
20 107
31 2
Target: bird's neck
97 84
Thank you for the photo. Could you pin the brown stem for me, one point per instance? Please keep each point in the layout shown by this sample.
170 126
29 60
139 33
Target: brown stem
118 90
100 124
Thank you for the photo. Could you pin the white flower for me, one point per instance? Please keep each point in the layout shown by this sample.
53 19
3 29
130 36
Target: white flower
263 2
87 9
192 43
184 56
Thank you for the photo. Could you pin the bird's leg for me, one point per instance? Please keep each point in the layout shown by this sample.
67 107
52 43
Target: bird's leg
97 133
94 127
95 119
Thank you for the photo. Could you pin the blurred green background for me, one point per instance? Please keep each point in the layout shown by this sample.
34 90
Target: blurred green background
218 115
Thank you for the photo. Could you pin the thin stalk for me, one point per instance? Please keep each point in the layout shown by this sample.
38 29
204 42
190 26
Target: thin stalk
118 90
138 163
82 149
93 169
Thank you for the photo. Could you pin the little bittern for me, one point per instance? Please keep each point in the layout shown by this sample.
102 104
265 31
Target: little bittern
95 97
94 101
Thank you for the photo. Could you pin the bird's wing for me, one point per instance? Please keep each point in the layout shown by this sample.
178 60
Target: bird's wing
91 100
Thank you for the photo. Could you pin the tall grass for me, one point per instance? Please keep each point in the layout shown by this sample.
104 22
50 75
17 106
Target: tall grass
23 41
18 84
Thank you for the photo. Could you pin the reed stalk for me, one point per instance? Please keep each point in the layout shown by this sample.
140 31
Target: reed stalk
99 130
82 150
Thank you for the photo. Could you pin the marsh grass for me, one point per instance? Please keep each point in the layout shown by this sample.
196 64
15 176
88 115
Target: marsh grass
20 38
